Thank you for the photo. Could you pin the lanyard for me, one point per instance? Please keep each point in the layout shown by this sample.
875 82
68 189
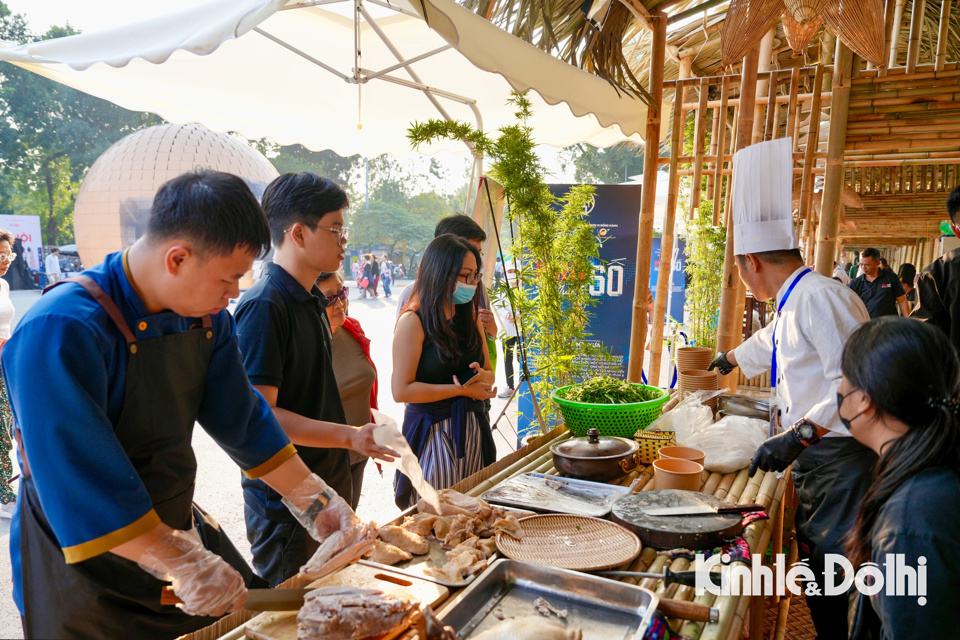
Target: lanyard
773 364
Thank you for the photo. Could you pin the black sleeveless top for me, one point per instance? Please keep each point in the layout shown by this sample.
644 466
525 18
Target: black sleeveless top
432 370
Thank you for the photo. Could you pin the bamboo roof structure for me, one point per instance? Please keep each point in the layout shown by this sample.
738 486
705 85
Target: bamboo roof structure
902 145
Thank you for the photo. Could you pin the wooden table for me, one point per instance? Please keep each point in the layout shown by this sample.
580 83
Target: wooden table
763 488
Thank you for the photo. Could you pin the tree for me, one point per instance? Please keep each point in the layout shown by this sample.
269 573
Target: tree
295 158
388 224
50 134
602 166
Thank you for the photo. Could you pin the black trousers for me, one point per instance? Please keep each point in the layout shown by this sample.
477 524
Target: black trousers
831 478
508 347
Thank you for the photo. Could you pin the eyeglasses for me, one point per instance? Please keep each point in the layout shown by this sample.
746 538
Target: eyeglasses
473 278
8 257
339 295
342 232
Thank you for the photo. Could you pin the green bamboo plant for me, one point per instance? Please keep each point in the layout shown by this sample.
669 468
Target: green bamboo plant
554 250
706 246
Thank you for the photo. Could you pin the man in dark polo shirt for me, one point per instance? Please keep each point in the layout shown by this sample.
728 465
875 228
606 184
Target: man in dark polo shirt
285 339
879 288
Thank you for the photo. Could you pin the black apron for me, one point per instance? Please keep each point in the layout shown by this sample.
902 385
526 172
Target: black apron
108 596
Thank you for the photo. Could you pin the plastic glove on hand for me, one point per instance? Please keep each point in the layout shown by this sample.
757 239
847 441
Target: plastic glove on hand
206 584
777 452
319 508
721 363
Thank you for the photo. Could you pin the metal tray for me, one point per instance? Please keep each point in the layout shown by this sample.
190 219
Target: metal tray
435 558
574 497
602 608
416 567
733 404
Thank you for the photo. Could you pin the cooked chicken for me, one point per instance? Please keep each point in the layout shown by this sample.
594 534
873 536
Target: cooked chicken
386 553
488 546
349 613
340 549
441 527
455 503
403 539
449 572
530 628
510 526
430 628
420 524
544 608
462 528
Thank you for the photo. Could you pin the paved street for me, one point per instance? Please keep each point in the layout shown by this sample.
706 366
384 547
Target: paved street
218 482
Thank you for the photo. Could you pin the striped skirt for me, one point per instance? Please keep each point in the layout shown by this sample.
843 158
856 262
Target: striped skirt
441 467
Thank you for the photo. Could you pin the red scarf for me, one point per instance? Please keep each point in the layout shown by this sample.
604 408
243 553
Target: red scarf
351 326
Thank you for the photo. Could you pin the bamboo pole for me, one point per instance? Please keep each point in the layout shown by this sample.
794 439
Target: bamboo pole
698 143
721 149
712 167
665 272
943 34
728 327
895 32
638 334
806 182
830 208
763 84
916 31
887 33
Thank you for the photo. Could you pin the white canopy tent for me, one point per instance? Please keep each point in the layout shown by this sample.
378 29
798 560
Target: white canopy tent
346 75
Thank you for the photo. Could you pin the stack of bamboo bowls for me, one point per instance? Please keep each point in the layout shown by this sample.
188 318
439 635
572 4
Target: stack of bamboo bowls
692 374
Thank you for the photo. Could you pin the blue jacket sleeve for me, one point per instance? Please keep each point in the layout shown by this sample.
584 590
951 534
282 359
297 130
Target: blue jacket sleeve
234 414
58 378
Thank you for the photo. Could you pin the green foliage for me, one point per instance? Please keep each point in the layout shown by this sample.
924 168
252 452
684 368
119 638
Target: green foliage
296 158
389 224
602 166
49 135
555 249
705 250
607 390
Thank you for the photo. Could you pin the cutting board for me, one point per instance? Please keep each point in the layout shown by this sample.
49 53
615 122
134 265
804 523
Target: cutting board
282 625
672 532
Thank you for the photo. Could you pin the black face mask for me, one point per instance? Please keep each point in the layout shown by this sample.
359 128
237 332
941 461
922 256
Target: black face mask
844 421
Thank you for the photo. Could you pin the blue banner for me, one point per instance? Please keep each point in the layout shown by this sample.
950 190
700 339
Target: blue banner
615 217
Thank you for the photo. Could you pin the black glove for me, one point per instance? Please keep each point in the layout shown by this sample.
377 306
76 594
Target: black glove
776 453
721 362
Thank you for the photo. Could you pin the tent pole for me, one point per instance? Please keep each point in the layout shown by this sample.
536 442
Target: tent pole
728 325
830 206
638 333
667 240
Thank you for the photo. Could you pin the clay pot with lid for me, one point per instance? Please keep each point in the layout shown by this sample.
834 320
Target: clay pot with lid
595 457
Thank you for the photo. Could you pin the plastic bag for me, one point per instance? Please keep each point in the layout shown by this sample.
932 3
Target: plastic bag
730 443
387 434
688 416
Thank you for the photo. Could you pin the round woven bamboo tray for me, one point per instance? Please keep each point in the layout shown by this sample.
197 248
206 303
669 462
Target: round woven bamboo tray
578 543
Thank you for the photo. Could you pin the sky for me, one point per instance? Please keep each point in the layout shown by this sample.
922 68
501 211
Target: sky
96 15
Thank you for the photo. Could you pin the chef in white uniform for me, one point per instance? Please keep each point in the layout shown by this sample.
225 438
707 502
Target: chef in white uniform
802 349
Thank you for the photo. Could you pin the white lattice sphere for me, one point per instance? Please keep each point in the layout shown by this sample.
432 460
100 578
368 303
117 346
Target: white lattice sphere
116 194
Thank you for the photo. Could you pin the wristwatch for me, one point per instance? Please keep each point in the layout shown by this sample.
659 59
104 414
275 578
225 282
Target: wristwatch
319 502
806 431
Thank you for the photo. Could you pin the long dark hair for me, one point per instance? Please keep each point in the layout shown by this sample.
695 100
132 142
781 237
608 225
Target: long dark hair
911 372
432 290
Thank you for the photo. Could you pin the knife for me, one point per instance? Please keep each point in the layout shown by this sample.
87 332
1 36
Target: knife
257 599
702 509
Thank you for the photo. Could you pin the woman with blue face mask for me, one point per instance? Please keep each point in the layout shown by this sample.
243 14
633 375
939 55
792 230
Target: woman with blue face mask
900 396
441 369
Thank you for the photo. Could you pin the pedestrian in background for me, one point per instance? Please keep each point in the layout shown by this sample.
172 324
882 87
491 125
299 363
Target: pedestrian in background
386 274
879 288
509 322
52 266
8 499
938 287
374 275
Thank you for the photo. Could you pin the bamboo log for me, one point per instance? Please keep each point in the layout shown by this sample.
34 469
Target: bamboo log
728 327
665 272
764 84
712 166
739 483
780 629
802 98
638 334
699 140
712 483
943 34
916 31
721 146
888 33
806 182
831 209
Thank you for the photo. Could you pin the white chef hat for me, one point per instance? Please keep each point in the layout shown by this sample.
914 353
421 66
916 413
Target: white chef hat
762 198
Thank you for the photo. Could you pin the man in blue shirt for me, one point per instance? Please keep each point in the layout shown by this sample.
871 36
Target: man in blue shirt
140 348
285 339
